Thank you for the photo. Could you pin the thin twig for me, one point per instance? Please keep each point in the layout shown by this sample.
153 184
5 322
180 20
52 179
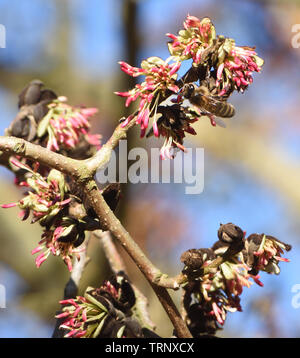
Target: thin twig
111 253
102 157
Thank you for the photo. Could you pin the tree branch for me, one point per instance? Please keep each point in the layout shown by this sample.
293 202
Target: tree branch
78 169
18 146
102 157
82 171
110 222
153 275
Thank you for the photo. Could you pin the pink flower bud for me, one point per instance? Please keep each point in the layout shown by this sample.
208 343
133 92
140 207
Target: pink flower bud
89 111
155 129
69 301
122 94
62 315
175 68
128 119
40 259
11 205
36 250
71 333
220 71
173 37
80 334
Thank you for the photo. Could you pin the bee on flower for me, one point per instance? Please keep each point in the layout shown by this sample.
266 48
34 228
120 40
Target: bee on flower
218 65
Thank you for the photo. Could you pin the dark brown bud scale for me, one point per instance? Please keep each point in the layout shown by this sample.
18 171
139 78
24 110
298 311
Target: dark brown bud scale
230 233
194 258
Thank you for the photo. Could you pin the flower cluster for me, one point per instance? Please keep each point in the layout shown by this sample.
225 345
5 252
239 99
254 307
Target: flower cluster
191 42
75 315
234 64
64 126
46 119
61 239
216 276
104 312
235 67
160 77
172 125
265 253
44 198
57 206
218 64
48 199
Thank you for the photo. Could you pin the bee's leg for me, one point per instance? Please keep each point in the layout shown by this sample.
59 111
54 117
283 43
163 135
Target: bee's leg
205 81
210 116
204 113
208 73
212 86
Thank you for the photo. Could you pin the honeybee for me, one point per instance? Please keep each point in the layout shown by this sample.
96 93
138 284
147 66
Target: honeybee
201 98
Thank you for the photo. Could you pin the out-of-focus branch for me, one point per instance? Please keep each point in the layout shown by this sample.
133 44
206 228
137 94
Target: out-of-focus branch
79 265
110 222
116 264
111 253
71 288
266 162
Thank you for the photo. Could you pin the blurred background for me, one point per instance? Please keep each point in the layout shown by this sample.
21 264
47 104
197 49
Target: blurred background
252 168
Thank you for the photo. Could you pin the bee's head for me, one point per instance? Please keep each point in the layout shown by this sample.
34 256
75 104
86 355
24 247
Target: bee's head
188 90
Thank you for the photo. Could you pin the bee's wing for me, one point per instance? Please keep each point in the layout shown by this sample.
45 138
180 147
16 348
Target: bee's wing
219 122
212 100
215 102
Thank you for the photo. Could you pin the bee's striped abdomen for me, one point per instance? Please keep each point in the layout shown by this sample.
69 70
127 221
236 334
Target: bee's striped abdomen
225 110
203 100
